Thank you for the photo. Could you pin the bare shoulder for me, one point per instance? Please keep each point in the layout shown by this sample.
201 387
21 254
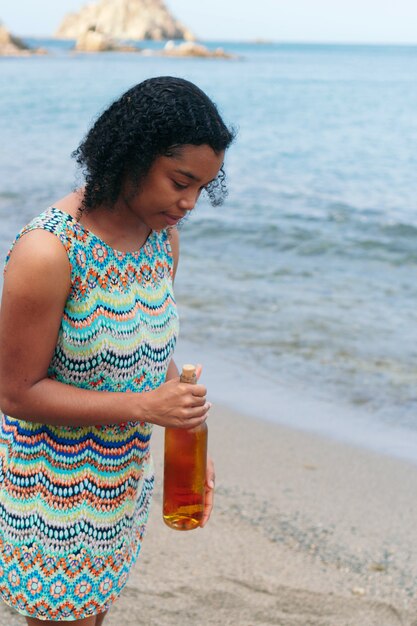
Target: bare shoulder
70 203
39 246
38 262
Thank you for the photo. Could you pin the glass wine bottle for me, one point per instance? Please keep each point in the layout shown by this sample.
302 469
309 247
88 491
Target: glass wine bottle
185 462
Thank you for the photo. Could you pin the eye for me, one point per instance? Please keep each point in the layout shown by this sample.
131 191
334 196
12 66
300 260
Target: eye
179 185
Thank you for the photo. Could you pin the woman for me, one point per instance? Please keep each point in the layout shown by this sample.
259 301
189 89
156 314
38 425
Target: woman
87 328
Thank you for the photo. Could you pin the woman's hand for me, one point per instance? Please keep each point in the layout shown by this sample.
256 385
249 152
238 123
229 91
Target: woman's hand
176 405
209 493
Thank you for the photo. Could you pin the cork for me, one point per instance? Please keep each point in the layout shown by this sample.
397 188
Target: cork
188 374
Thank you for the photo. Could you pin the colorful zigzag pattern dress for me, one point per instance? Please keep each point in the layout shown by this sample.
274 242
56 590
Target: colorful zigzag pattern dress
74 501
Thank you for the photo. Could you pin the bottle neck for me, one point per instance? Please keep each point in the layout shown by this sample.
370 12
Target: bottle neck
191 379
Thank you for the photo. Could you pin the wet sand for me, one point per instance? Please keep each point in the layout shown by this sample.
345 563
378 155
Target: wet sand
305 532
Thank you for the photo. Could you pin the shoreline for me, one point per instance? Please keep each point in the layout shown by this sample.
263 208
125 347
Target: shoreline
305 532
248 390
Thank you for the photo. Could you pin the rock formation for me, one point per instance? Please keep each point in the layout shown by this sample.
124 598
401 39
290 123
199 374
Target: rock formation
124 19
191 49
13 46
92 41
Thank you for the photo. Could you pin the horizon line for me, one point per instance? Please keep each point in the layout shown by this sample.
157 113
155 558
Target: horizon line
252 40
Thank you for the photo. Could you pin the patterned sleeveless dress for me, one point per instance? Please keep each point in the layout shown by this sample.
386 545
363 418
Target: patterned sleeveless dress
74 501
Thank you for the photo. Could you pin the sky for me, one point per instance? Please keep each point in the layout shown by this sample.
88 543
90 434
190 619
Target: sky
344 21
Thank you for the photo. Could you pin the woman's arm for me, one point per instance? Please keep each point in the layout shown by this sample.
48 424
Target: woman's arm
172 371
36 287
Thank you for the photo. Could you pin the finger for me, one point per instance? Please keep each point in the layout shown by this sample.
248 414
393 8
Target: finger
198 370
195 417
198 411
208 505
197 401
199 390
210 473
193 422
209 491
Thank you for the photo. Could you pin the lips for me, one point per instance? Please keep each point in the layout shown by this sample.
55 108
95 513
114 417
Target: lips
172 219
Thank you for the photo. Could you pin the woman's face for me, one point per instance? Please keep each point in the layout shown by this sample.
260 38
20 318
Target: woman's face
173 185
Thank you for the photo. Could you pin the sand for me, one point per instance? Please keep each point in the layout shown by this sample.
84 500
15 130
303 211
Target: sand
305 532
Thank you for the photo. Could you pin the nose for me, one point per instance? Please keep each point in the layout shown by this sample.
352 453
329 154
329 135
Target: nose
188 199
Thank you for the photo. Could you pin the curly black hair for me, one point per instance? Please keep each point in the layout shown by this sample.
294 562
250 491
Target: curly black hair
144 123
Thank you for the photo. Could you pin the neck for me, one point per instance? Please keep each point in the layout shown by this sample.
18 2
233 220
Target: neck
118 226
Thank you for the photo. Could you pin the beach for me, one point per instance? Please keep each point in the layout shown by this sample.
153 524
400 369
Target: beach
305 532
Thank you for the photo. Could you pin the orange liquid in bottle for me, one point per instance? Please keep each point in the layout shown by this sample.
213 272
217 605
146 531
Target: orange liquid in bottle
185 464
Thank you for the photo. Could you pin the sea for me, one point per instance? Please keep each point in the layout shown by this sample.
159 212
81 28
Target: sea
299 294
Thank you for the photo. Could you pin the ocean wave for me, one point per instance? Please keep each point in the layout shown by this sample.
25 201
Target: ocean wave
401 230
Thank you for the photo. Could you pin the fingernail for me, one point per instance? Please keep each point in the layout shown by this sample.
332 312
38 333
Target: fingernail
211 484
